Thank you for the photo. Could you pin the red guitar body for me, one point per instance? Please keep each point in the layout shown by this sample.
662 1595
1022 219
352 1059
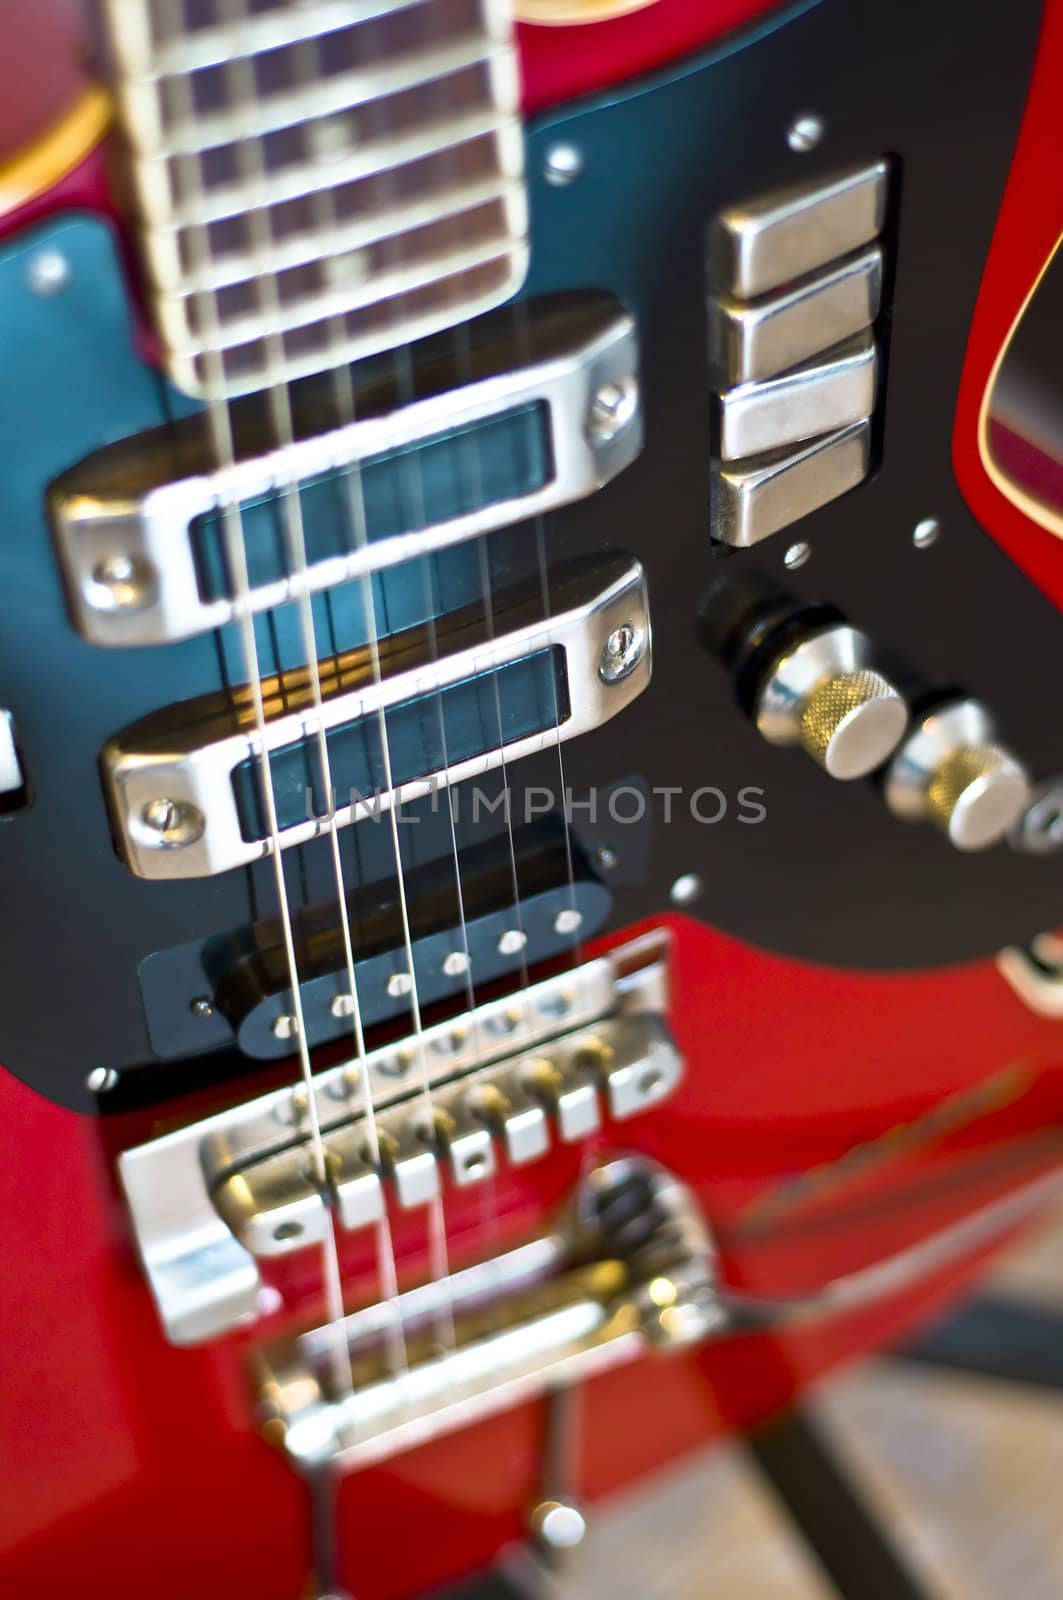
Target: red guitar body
828 1118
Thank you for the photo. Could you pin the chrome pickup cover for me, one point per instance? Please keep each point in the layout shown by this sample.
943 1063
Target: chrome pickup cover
125 519
523 1070
318 181
174 781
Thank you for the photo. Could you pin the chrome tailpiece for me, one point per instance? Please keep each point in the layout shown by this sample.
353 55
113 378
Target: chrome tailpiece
630 1268
507 1079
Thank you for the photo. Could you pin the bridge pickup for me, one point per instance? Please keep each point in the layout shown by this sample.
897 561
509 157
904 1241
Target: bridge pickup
184 785
508 1080
538 409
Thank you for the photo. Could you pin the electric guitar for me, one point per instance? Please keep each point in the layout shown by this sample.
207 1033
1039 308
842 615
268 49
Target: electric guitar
529 799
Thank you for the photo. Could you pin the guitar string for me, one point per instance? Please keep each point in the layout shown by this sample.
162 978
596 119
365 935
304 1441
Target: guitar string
220 423
345 403
260 219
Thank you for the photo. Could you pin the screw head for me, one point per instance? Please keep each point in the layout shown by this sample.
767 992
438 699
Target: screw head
202 1007
512 941
342 1005
622 652
613 406
606 857
455 963
805 132
285 1026
399 983
101 1080
797 555
559 1524
120 582
562 164
168 824
926 533
686 889
48 273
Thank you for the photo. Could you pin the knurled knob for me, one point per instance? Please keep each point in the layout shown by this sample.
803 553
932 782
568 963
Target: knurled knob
851 723
976 795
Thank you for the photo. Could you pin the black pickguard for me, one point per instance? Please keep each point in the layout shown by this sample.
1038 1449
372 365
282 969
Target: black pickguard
828 875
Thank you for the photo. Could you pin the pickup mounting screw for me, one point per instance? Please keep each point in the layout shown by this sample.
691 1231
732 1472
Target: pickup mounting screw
805 132
568 921
285 1026
172 823
622 652
202 1007
612 407
101 1080
120 582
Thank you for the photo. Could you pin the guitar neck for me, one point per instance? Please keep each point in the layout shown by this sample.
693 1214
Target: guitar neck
316 183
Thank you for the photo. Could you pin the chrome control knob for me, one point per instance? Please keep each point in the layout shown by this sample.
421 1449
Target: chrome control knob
824 695
951 772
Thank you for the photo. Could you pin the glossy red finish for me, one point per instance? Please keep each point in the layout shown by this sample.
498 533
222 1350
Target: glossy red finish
1028 229
139 1464
803 1123
43 68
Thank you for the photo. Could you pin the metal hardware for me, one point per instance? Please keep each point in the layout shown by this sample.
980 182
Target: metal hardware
1039 831
613 408
686 889
622 652
48 273
824 696
562 164
125 518
630 1268
403 260
101 1080
557 1523
950 771
185 759
756 498
760 338
926 533
818 397
512 1069
797 556
764 243
805 133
